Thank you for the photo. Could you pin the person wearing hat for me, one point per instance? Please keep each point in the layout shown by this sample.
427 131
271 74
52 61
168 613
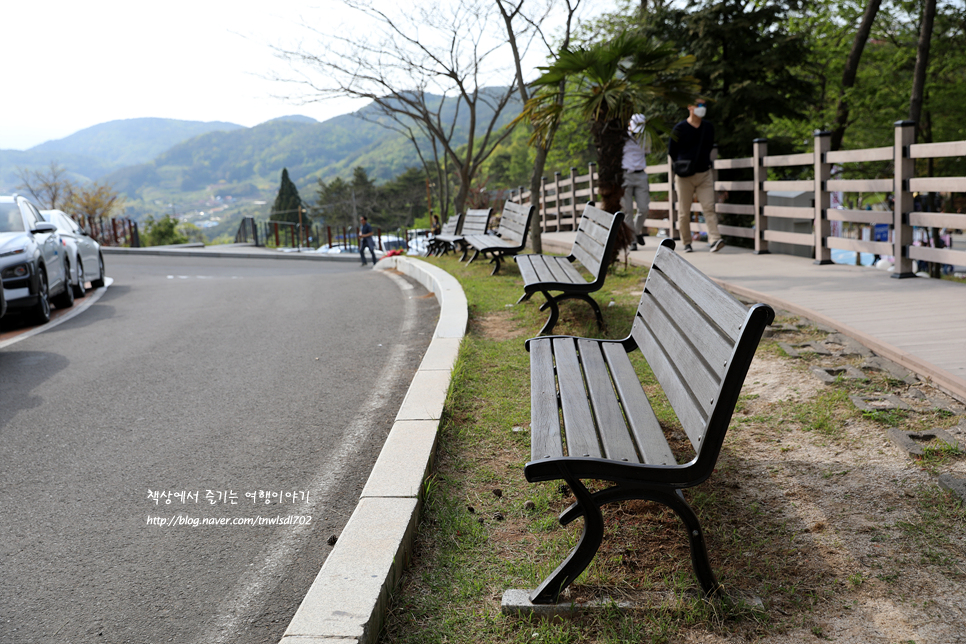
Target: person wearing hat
635 179
690 149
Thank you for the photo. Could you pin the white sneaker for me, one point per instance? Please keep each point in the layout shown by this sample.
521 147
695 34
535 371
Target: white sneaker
718 245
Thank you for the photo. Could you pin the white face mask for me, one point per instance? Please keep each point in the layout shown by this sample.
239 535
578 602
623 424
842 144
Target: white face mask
700 111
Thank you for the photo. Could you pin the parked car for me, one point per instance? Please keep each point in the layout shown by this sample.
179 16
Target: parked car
83 253
33 261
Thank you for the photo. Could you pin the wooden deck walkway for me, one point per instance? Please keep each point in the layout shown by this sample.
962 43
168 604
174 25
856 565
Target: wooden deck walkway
918 323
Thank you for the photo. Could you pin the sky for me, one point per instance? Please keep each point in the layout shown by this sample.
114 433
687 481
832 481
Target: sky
69 65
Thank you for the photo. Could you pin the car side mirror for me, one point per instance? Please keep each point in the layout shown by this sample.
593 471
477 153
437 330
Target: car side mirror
44 227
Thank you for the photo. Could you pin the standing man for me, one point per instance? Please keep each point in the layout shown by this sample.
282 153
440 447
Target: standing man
690 148
635 179
366 240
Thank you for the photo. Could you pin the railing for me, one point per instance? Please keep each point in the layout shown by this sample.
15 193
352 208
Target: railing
562 199
113 232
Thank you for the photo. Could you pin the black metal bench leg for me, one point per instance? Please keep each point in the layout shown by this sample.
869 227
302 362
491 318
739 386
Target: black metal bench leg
524 297
581 556
476 254
593 305
699 553
551 304
495 260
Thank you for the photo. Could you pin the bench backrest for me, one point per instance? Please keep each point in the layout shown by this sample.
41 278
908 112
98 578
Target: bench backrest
475 222
699 342
515 222
596 236
452 225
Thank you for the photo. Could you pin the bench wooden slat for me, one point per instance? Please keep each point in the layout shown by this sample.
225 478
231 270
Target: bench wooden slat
544 272
476 221
702 379
527 270
617 443
708 338
544 415
676 388
595 226
640 416
590 258
726 311
563 270
574 402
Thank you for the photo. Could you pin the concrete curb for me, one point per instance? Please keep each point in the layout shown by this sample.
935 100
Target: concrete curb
348 599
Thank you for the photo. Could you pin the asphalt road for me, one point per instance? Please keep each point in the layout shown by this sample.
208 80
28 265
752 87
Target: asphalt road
237 377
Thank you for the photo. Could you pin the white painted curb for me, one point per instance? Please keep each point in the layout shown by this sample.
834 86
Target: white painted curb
348 599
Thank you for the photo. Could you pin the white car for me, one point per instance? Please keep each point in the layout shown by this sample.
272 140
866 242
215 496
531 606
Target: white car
33 261
83 253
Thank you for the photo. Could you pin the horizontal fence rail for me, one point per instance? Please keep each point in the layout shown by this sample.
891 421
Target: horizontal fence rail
562 199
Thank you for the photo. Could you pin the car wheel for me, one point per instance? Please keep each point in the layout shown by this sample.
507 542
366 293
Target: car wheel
41 310
99 282
80 288
65 300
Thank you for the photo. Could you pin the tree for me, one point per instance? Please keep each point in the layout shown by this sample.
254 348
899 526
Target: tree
403 56
287 201
613 80
50 187
97 200
544 142
851 71
162 232
747 62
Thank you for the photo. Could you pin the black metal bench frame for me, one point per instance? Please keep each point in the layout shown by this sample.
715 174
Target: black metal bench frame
510 238
699 341
593 245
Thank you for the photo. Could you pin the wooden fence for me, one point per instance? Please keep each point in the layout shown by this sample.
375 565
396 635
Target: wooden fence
110 232
561 200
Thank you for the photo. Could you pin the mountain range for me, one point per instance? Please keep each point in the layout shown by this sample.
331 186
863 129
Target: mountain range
163 160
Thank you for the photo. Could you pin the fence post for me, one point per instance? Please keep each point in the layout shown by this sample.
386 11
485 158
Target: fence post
672 203
760 151
905 170
573 195
592 169
556 199
379 235
542 204
823 172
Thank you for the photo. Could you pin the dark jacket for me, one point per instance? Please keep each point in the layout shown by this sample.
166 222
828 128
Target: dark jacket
686 141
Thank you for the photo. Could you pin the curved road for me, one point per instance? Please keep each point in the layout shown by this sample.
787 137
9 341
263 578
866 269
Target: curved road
237 377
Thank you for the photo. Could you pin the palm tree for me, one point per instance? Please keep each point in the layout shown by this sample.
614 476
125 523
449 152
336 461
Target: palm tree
609 82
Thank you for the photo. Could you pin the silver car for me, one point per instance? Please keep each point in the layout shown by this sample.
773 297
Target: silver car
83 253
33 261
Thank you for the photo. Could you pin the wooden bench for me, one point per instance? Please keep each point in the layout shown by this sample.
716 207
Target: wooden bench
441 244
474 222
596 235
510 238
699 342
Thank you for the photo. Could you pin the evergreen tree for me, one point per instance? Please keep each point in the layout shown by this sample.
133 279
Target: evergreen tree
287 202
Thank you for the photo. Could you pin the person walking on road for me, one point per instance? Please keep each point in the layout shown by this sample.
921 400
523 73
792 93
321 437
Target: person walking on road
635 179
690 149
366 240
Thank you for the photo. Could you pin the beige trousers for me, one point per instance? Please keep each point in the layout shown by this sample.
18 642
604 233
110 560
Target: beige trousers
701 184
